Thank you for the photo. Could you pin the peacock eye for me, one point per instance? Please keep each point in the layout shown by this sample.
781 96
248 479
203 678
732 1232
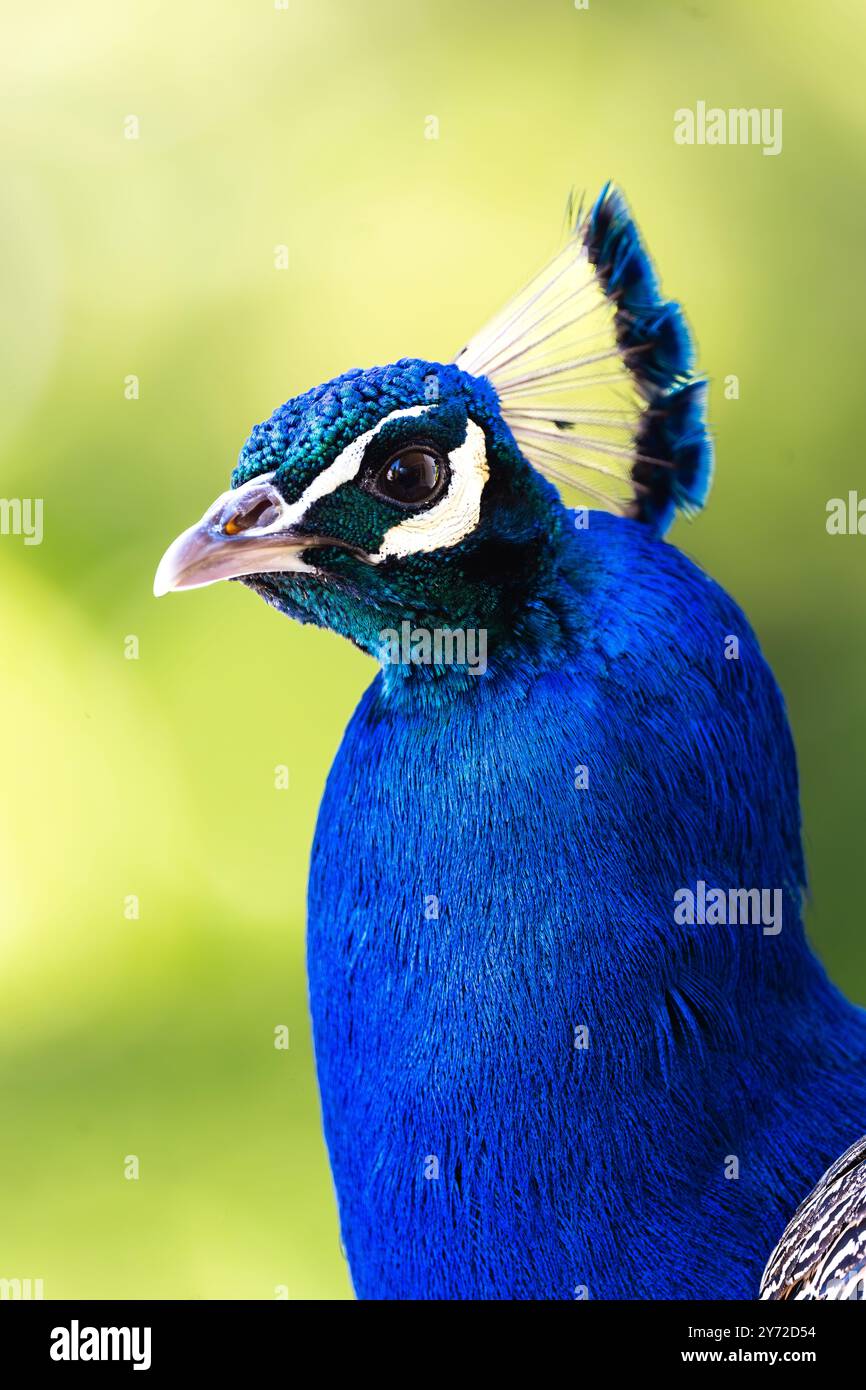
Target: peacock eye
413 475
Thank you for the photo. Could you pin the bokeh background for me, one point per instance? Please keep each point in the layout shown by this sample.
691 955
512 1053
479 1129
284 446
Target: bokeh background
305 127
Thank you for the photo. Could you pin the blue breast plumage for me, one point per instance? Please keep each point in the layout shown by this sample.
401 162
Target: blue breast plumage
531 1086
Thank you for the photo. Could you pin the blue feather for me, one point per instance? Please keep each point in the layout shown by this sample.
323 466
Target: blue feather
674 456
650 327
469 910
654 332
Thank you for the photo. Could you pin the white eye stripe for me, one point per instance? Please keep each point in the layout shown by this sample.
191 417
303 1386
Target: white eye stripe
342 469
455 515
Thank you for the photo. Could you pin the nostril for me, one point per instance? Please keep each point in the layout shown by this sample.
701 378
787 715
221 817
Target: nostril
256 511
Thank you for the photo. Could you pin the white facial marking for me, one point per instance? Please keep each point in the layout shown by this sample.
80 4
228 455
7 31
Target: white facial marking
455 515
343 469
206 552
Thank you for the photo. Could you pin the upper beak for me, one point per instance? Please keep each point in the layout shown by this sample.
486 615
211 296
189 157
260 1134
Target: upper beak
248 530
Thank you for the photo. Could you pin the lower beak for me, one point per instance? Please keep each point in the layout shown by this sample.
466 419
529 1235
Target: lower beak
249 530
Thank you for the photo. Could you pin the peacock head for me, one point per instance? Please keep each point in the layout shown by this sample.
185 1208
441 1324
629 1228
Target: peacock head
423 493
385 496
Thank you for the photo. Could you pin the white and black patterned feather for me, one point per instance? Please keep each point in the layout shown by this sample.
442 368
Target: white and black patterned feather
593 370
822 1253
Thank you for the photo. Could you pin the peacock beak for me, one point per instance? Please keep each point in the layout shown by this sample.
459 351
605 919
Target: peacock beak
249 530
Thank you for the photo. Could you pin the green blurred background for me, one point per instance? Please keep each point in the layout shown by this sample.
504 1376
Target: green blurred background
154 257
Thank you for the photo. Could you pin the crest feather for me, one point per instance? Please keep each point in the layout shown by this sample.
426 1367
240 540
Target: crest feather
593 370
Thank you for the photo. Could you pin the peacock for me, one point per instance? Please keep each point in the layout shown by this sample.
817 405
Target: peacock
571 1040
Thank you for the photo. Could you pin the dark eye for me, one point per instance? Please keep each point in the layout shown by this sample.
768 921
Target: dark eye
412 475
